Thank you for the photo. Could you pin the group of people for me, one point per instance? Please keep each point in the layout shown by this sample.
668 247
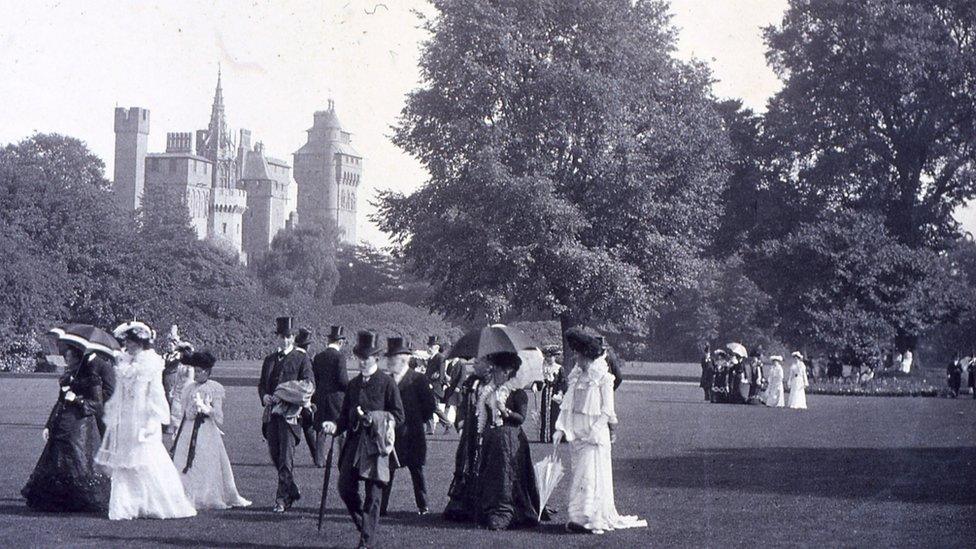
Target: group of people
104 448
955 371
733 375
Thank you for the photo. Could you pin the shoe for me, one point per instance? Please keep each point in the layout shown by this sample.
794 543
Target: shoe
279 508
423 511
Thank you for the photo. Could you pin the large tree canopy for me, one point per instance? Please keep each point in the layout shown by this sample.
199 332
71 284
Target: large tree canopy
878 108
574 162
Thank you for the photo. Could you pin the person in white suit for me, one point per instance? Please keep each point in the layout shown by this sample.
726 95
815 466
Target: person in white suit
798 383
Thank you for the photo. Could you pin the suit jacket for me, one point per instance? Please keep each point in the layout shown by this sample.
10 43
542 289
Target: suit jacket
278 368
331 381
379 394
419 404
615 363
437 374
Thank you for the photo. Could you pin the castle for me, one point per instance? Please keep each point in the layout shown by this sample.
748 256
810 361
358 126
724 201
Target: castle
236 194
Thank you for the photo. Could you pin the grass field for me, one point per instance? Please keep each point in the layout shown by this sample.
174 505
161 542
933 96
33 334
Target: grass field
850 471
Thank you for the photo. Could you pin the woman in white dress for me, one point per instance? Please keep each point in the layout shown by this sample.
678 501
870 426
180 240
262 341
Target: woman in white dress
198 451
798 383
587 419
144 481
774 391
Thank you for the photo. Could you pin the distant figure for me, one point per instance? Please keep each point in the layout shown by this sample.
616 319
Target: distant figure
835 368
972 373
176 375
798 383
331 381
774 396
906 361
198 449
707 372
954 376
553 388
42 364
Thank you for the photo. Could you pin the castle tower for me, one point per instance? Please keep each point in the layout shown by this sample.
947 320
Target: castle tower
216 144
328 171
267 181
131 140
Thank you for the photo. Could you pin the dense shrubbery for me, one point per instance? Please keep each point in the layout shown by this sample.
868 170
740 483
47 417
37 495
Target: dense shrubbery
886 385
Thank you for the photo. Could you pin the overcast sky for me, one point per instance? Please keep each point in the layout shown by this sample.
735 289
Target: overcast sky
66 65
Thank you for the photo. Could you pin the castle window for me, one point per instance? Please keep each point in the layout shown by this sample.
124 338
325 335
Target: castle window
225 228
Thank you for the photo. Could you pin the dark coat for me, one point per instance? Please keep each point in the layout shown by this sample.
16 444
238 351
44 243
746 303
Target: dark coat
437 374
419 404
378 394
331 381
278 368
104 370
616 364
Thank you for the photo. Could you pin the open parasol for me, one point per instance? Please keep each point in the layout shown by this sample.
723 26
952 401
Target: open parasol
497 338
88 336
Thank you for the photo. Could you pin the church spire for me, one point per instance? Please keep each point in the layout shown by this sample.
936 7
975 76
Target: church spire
219 147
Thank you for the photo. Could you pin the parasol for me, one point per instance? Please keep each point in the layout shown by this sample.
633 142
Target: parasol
531 369
497 338
548 472
89 337
737 349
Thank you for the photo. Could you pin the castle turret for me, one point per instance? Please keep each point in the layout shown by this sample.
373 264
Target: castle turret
131 140
328 171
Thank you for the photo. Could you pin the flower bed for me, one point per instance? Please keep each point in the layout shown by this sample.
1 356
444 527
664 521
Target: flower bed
910 385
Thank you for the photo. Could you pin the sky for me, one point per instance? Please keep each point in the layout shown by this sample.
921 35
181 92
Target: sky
67 65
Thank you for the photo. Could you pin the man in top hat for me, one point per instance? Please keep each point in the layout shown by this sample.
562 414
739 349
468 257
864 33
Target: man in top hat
287 363
331 381
436 372
419 404
369 392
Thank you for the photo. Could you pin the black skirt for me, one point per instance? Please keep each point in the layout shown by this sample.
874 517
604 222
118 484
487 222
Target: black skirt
508 495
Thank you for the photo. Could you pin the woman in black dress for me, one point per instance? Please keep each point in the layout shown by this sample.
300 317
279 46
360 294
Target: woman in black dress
508 495
463 493
64 479
553 386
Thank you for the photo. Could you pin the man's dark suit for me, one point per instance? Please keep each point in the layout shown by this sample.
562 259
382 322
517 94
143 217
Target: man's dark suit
105 370
331 381
282 437
378 394
411 437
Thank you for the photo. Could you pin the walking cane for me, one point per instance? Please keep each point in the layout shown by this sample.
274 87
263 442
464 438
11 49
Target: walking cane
325 482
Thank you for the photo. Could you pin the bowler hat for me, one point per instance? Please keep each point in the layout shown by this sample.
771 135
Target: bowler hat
367 344
432 340
304 338
397 346
284 325
337 333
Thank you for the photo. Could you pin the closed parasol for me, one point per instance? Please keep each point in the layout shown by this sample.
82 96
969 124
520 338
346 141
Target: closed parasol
548 472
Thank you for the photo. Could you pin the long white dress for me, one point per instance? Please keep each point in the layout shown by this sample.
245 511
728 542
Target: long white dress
144 481
585 414
798 386
774 391
209 481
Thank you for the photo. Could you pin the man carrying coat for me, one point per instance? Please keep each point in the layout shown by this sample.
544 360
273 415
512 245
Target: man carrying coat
331 381
369 393
283 432
419 404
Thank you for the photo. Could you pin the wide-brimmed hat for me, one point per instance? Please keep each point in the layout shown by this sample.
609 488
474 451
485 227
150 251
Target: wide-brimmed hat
797 354
200 359
583 343
367 344
134 330
397 346
337 333
507 361
284 325
776 358
304 338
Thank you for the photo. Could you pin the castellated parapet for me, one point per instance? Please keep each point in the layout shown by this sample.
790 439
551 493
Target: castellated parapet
131 142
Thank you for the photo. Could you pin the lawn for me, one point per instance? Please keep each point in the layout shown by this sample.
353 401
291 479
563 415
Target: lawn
850 471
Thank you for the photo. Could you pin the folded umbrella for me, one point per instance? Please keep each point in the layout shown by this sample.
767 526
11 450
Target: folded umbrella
497 338
89 337
548 472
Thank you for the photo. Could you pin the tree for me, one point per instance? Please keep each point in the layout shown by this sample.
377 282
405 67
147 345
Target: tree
301 263
878 108
844 282
574 162
369 275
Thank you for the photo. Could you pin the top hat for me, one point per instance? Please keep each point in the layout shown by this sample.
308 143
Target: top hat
337 333
200 359
397 346
304 338
552 350
601 341
284 325
432 340
367 344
